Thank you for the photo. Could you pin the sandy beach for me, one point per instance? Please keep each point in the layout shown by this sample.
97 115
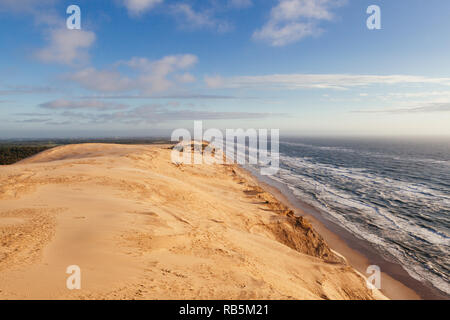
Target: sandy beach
142 227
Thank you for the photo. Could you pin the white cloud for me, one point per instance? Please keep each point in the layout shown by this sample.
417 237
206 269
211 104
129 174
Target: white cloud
192 19
293 20
286 34
152 76
214 81
185 78
319 81
67 46
43 12
426 108
101 80
423 94
64 46
138 7
163 66
291 10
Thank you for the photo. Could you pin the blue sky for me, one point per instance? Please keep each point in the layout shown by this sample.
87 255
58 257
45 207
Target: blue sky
146 67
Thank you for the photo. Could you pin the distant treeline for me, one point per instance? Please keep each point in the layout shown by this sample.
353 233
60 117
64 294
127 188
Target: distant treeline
12 154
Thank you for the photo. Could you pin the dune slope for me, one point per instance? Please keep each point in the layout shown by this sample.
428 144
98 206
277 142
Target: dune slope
141 227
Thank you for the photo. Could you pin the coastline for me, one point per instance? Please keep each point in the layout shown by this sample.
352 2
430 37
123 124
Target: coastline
140 226
248 216
396 283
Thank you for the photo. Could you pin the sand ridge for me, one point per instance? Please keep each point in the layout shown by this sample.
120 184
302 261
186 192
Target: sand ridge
141 227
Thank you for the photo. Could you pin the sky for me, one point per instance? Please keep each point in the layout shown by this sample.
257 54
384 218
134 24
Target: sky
147 67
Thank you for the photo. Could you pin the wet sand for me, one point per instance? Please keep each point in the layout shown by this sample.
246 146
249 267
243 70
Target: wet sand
396 283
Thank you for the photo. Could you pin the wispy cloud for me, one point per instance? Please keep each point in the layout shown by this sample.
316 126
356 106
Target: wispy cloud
37 118
153 76
292 20
101 80
418 95
214 81
42 11
64 46
192 19
185 96
138 7
32 114
25 89
318 81
426 108
33 120
158 113
67 46
185 78
63 104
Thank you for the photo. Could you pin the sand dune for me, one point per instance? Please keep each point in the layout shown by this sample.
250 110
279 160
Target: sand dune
140 227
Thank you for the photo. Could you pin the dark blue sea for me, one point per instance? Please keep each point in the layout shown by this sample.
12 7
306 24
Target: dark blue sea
393 193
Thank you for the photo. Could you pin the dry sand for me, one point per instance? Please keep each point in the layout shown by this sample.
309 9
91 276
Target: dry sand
141 227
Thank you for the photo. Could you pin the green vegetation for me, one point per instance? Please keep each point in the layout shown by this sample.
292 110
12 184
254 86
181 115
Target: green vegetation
11 154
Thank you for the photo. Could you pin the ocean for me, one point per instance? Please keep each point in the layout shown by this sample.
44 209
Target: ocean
393 193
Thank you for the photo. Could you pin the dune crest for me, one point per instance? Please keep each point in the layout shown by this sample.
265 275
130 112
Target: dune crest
141 227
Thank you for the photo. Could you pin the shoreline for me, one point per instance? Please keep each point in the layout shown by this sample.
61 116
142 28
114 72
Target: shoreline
250 241
396 283
141 227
